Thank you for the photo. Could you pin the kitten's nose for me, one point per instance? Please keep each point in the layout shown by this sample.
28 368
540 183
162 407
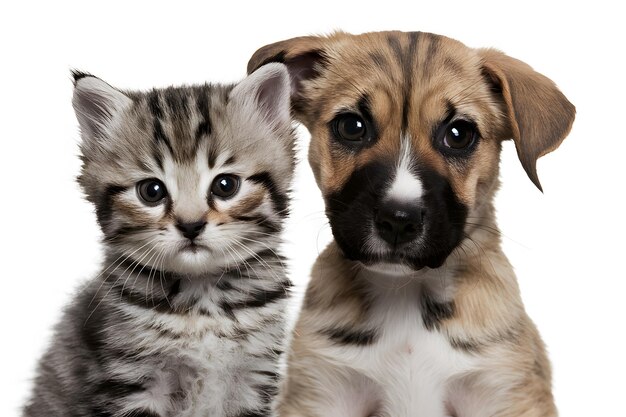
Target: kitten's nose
191 230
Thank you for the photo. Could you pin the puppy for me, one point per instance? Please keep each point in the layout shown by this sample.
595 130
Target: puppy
413 309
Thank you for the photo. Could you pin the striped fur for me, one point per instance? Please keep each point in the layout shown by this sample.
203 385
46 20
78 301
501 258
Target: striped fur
424 320
174 326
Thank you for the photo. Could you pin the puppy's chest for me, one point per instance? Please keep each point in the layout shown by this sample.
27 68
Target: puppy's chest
410 365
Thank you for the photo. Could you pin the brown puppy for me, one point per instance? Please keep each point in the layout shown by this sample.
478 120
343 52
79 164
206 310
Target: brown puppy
414 310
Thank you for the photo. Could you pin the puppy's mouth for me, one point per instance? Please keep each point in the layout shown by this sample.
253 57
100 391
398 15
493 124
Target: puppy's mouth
403 259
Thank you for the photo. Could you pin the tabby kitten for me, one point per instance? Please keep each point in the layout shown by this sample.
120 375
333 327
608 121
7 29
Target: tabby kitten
190 187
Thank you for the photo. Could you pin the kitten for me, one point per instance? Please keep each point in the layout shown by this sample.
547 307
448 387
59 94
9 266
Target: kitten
190 186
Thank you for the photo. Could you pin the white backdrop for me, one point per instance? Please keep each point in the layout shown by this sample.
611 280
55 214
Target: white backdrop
566 245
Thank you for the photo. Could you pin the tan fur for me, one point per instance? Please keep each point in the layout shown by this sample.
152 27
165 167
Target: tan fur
510 371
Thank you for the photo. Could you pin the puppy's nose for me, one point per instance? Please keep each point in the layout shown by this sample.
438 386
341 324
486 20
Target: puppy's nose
399 223
191 230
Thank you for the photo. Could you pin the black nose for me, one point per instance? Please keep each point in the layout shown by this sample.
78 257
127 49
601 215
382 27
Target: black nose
191 230
399 223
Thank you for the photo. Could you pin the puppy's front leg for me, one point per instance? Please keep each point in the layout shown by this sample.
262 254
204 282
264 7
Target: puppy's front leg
316 388
501 395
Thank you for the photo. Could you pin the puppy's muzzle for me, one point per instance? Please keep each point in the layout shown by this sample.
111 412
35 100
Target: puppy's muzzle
399 222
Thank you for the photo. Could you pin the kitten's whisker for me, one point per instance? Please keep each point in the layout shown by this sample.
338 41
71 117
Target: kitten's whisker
125 256
259 259
162 275
111 286
141 271
231 251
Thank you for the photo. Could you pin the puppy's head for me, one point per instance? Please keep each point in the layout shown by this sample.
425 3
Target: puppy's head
406 132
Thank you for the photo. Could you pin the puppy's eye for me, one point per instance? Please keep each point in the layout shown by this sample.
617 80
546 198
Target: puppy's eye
151 191
225 186
350 127
459 134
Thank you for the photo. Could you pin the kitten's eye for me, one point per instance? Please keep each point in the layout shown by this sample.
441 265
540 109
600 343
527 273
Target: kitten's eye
151 191
350 127
459 134
225 186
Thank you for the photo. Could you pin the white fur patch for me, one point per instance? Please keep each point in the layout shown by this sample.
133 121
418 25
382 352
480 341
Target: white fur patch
405 186
408 370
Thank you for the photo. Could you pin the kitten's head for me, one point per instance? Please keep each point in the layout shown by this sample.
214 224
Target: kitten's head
188 179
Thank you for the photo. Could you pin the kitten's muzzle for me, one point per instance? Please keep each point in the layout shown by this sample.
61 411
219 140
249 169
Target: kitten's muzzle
397 223
191 230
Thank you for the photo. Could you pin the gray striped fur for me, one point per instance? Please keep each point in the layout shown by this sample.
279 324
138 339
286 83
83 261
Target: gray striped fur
164 330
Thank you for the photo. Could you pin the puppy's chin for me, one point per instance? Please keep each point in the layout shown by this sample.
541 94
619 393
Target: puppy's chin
386 268
390 261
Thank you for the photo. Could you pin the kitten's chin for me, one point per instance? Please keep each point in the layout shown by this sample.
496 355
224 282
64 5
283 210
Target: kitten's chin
196 260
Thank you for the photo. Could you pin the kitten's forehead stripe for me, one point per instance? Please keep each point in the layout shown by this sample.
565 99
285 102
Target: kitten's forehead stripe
202 105
177 101
154 104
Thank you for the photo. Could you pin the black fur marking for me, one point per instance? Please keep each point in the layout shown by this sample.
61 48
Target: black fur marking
272 254
158 158
474 345
266 392
91 331
212 156
224 285
78 75
434 312
352 209
205 127
407 68
154 104
279 199
258 298
104 207
121 232
279 57
174 290
465 345
116 388
274 376
159 135
255 413
142 300
406 60
100 411
141 413
262 221
176 101
347 336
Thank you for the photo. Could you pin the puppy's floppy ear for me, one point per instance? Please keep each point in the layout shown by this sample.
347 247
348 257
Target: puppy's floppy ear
302 56
540 116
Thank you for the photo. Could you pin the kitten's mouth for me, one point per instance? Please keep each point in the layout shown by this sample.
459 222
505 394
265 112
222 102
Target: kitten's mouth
193 247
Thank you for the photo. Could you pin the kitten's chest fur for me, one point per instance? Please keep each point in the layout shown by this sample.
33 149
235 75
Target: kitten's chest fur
206 352
205 372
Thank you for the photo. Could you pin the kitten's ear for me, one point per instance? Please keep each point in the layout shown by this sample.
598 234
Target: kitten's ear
96 103
266 90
